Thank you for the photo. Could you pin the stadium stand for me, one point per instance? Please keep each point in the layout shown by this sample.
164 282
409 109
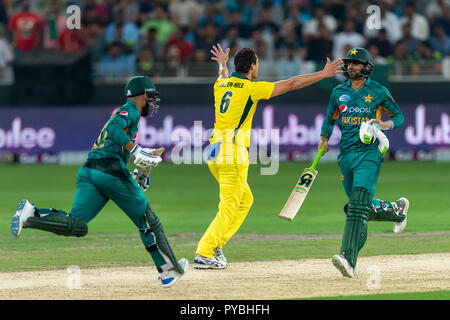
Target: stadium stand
167 38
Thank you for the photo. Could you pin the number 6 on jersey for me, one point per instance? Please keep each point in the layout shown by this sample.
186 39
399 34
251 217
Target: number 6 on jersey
225 102
301 189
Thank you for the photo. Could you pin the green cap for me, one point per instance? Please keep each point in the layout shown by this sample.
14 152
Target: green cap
138 85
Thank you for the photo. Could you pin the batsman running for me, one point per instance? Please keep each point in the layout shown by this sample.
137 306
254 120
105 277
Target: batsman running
357 105
235 99
104 176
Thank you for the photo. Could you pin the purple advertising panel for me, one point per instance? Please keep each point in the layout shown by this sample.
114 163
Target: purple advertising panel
52 130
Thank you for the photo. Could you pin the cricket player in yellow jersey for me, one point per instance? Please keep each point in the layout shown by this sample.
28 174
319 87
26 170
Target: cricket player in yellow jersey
235 99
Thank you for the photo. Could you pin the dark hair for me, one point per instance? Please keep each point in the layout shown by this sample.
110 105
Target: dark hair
243 60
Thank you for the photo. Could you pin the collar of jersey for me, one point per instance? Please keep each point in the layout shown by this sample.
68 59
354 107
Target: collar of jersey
132 102
239 75
349 82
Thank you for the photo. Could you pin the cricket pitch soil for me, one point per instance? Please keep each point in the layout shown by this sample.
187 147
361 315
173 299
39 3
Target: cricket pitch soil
241 280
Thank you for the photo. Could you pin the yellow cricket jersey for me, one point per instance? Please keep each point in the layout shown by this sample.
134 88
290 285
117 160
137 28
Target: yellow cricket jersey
235 102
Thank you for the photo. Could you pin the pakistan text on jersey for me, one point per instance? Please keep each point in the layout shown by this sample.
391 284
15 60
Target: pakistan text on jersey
354 120
230 84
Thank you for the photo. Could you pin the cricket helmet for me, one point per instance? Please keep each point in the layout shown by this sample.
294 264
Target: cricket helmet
363 56
138 85
143 85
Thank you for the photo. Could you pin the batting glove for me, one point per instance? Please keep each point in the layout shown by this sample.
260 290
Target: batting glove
370 131
143 157
142 180
383 142
366 134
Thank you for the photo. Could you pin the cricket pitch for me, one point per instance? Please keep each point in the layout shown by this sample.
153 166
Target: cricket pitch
284 279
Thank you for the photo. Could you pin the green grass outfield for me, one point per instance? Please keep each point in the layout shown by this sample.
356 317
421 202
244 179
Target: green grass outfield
185 198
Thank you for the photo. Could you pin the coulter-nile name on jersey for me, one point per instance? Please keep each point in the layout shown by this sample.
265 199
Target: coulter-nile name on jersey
350 107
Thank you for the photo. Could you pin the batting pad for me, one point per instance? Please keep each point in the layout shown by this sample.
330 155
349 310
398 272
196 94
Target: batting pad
161 247
355 231
58 224
382 211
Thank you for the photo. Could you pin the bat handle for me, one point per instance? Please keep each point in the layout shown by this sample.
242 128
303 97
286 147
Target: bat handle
319 155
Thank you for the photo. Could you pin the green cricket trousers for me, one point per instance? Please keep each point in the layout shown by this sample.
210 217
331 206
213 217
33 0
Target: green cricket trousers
360 172
360 169
98 181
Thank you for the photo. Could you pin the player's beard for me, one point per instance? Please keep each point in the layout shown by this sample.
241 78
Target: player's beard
354 75
145 109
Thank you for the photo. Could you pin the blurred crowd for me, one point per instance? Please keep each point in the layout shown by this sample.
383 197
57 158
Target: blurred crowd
174 37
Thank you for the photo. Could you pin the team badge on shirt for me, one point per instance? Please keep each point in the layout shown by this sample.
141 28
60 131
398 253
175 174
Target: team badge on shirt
368 98
124 113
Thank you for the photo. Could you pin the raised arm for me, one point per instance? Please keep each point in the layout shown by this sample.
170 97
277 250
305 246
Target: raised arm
301 81
221 58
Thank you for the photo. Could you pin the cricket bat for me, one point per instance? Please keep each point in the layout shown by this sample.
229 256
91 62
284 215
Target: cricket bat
301 189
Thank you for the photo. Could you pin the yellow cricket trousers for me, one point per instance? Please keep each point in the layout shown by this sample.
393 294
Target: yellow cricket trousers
230 169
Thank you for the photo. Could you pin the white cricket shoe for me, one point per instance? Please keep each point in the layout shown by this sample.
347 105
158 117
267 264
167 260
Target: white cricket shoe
343 266
218 254
403 206
24 210
170 277
201 262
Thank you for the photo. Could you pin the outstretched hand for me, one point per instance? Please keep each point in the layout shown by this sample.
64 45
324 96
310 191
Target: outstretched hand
332 69
220 56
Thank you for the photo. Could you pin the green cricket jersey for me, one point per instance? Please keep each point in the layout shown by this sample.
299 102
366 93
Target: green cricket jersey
120 129
350 108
